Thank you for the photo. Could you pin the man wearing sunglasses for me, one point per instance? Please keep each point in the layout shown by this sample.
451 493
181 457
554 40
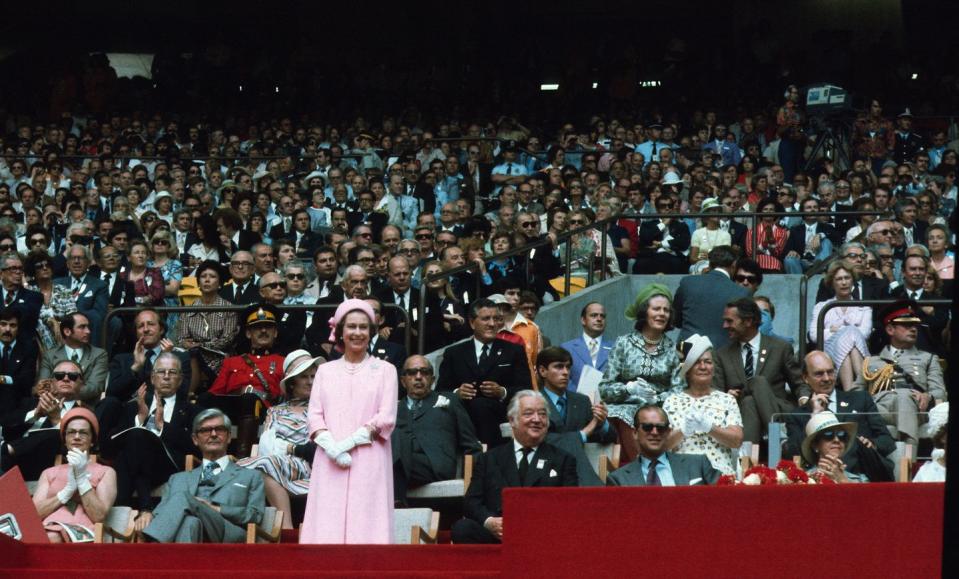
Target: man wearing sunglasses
432 433
663 242
868 456
75 335
32 441
290 325
655 466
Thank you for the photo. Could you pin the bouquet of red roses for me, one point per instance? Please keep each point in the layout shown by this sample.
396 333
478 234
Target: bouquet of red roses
785 473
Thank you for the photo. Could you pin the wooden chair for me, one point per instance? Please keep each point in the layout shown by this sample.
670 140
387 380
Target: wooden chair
468 461
117 527
415 526
604 458
268 531
903 458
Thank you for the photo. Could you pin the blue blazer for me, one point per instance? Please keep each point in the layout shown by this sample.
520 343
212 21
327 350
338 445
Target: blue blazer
91 302
580 353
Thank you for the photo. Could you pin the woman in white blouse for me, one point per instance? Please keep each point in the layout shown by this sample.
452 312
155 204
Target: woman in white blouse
705 421
846 327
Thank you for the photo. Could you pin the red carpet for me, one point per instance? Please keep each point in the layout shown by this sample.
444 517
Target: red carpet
877 530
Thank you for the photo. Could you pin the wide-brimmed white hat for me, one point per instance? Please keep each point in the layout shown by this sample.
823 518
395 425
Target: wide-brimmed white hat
295 363
821 422
694 347
938 418
672 178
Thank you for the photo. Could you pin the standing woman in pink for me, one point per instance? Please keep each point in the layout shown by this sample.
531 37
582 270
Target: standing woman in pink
351 415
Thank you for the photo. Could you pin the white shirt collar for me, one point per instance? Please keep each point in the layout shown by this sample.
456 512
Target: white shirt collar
478 347
222 462
517 447
754 343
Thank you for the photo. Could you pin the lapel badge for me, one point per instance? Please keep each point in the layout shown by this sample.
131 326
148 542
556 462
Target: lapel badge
843 403
540 464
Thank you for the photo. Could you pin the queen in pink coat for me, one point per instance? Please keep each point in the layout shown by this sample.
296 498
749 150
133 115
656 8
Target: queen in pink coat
351 415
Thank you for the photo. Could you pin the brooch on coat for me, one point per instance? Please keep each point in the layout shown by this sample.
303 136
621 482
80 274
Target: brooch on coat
441 402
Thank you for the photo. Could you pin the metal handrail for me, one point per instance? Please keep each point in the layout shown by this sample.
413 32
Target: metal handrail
821 320
236 308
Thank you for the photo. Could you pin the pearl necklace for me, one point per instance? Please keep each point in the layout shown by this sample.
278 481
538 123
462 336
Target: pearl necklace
354 368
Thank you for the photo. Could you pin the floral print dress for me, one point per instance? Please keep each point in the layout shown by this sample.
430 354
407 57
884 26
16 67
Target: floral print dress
630 360
722 410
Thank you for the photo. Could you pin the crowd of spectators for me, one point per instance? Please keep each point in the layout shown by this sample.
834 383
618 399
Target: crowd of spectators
144 211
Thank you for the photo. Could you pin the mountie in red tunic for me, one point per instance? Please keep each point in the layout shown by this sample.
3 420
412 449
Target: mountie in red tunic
236 377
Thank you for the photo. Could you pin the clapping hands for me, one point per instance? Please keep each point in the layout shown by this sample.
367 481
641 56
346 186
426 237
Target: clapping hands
697 423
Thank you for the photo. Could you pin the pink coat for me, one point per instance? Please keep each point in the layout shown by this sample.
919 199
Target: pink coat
57 479
353 505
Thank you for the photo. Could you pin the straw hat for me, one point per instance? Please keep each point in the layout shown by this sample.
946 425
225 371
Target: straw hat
820 423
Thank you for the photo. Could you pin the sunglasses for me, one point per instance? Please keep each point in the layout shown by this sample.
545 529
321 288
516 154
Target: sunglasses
424 236
577 222
275 285
529 224
160 242
840 435
415 371
746 278
38 241
293 276
7 247
72 376
660 427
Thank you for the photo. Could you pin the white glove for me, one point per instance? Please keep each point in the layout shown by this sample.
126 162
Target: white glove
78 459
325 441
66 494
362 436
640 390
83 483
697 423
343 460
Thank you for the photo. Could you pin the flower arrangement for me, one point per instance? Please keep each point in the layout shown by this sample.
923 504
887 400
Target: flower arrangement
785 473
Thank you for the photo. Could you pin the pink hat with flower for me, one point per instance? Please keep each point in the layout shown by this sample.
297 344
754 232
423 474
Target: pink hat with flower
346 307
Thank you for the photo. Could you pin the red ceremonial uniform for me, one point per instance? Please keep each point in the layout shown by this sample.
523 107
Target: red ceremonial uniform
236 375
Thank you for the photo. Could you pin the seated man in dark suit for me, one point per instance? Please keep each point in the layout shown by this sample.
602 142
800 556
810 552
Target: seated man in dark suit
155 438
242 289
868 457
432 431
933 318
15 296
529 461
755 369
18 360
212 503
88 290
31 431
573 418
130 370
485 371
656 467
663 242
809 242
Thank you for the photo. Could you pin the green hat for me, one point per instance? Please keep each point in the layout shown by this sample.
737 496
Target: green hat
645 294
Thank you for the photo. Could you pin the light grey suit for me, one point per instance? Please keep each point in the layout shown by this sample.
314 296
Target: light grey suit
94 363
688 469
182 518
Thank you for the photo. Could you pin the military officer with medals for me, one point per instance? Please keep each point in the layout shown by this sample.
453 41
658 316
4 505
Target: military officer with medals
904 380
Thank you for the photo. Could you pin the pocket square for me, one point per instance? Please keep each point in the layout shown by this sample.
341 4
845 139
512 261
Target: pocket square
696 481
552 473
89 294
503 365
242 486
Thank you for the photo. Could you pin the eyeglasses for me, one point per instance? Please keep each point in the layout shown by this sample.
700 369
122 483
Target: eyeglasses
662 206
241 263
840 435
14 268
72 376
275 285
409 251
78 433
885 257
160 242
424 236
42 265
208 430
649 427
415 371
855 256
527 224
577 222
294 276
167 373
7 247
746 278
38 241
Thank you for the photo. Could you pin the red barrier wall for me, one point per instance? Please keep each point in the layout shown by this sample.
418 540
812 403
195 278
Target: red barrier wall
870 530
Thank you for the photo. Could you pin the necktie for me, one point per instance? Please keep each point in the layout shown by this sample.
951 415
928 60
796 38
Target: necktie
75 357
5 356
509 168
654 150
652 477
484 355
417 404
206 477
401 301
561 407
524 464
287 223
914 295
148 365
749 360
855 292
239 291
8 299
593 349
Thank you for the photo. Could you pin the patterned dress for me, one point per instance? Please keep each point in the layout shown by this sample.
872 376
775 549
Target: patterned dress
212 330
630 360
722 410
61 303
171 270
287 426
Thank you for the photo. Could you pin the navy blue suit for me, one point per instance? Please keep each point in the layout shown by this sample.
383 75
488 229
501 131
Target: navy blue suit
91 302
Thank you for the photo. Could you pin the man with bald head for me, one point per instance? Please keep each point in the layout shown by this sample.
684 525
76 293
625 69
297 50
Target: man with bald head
868 456
433 431
398 292
355 284
241 289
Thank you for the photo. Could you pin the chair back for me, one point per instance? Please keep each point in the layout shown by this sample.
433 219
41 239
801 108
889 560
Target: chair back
404 521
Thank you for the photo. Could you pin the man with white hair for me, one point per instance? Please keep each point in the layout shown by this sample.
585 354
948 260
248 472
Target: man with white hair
528 461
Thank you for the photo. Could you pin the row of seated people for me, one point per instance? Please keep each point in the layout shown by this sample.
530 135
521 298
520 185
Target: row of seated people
709 420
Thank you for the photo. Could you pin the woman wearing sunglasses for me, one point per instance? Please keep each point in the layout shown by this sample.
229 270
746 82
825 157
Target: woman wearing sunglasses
165 255
827 441
58 300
